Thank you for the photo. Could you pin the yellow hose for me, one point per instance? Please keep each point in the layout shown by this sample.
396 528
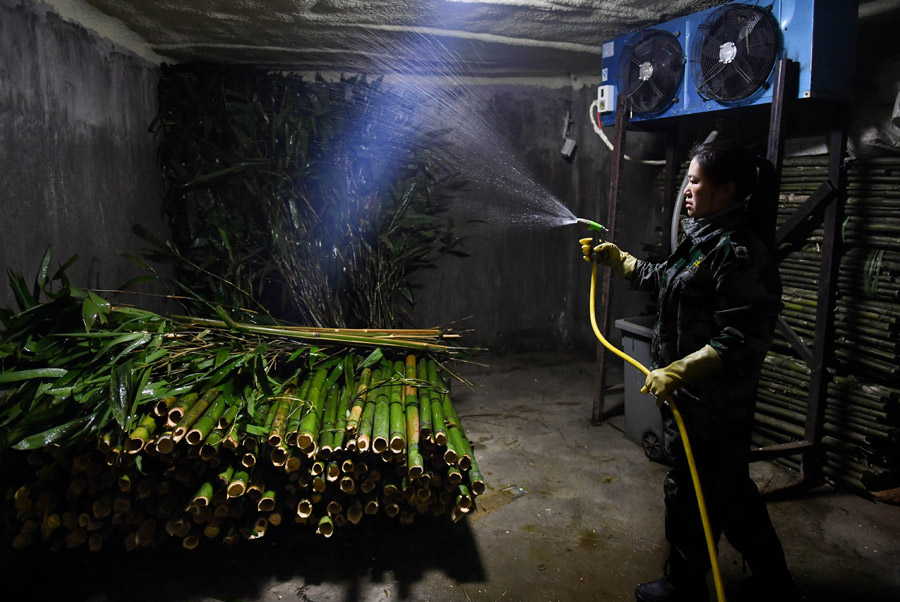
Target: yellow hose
701 502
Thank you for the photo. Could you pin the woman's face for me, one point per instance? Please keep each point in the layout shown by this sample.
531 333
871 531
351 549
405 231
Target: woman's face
702 197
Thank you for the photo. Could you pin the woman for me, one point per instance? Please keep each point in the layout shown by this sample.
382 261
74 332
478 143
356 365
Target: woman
717 297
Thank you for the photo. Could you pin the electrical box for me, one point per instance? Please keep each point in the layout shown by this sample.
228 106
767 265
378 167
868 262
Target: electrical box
606 98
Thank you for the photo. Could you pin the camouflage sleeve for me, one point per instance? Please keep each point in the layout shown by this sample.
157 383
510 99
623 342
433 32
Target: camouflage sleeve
646 276
744 314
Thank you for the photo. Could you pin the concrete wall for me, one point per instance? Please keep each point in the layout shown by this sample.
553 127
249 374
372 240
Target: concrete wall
78 162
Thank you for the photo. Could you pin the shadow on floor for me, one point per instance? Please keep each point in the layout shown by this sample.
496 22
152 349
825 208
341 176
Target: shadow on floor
377 552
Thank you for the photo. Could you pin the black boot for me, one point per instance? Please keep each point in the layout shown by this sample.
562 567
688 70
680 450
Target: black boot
671 589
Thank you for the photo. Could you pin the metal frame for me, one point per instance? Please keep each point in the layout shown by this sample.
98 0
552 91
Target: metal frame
827 201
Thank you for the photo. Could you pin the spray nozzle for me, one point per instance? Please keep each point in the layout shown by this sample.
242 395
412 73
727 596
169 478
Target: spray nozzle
591 225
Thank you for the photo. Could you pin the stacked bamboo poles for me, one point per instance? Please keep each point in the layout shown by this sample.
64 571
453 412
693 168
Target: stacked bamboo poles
333 447
862 420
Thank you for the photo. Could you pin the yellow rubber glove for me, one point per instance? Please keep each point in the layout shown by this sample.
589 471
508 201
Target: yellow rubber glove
692 368
610 255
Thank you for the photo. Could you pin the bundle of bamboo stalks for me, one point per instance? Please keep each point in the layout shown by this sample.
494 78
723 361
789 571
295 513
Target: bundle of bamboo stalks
862 420
122 427
326 452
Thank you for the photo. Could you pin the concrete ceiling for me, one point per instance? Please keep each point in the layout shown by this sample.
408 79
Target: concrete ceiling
492 38
486 38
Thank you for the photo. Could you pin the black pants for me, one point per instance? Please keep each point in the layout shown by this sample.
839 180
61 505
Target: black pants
733 502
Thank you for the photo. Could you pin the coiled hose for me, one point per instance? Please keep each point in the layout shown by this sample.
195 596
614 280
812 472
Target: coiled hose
701 502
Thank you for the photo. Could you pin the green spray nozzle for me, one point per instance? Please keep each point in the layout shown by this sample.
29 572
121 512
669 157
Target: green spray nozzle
591 225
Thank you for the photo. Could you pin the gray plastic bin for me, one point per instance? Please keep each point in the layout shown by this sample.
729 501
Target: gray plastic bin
643 422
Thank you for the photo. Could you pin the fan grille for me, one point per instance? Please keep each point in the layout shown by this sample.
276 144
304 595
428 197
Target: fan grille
651 71
733 57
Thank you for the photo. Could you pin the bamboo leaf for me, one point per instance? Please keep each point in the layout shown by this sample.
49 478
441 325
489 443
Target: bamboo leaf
119 386
372 359
40 281
54 434
12 376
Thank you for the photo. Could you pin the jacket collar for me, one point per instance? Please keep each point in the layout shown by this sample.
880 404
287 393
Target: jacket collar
703 229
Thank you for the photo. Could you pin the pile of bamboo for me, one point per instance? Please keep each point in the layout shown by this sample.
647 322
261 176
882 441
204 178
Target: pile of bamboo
862 419
328 450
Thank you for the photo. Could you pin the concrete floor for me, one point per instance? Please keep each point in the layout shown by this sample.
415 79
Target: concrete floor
572 512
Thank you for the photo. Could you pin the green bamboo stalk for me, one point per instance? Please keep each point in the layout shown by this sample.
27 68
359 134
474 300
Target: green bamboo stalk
161 407
193 414
211 444
205 423
237 486
141 434
340 424
178 409
424 396
373 341
364 431
397 410
327 432
359 402
203 496
235 432
298 408
437 412
414 461
228 417
280 419
308 432
381 425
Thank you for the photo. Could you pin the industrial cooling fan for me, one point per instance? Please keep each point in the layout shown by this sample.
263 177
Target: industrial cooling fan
651 71
733 55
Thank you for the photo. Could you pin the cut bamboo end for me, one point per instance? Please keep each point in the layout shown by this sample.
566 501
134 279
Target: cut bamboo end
279 456
266 502
248 460
190 542
451 457
293 464
134 445
339 520
440 438
259 528
333 472
304 508
95 542
334 507
325 527
368 486
478 487
379 445
371 507
274 440
194 437
165 444
465 462
305 441
391 509
354 515
398 444
236 490
415 471
348 485
347 466
362 444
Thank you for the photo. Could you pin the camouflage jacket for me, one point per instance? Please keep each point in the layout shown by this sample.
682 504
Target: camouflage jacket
720 287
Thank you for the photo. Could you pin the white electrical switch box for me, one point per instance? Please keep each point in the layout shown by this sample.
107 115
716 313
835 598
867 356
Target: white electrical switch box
606 99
